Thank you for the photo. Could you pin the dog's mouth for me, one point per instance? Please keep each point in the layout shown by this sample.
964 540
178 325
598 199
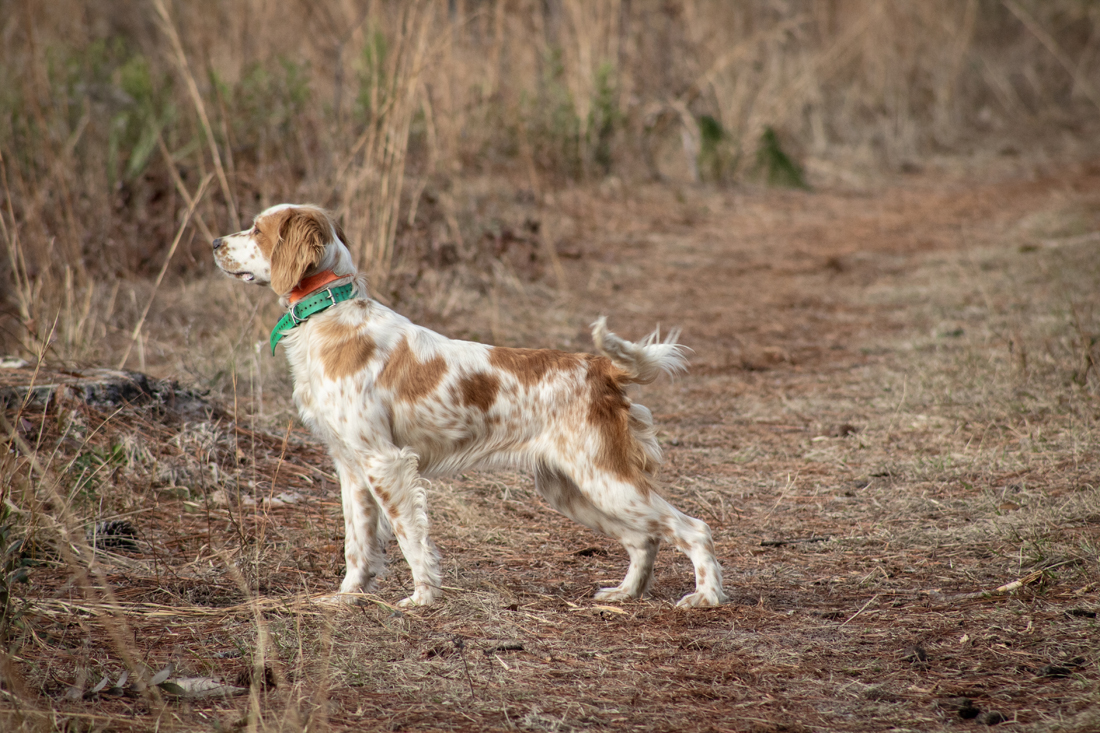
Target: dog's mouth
241 275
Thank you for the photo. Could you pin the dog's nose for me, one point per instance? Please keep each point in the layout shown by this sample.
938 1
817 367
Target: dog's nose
217 243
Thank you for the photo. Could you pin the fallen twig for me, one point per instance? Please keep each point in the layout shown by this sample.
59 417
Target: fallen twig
1017 584
861 610
780 543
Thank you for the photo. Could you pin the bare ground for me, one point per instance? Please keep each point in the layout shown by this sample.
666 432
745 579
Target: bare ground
891 415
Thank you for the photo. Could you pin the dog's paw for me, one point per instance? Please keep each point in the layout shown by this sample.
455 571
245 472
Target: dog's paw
421 597
613 594
702 598
339 600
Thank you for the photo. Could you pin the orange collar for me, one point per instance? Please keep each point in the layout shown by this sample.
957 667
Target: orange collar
310 284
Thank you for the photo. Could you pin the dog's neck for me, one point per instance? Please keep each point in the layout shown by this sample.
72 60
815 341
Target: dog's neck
334 266
311 284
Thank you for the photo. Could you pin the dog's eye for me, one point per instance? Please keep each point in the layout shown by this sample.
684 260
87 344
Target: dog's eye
255 230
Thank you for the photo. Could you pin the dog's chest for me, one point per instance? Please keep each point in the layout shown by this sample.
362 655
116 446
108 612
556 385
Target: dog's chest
333 383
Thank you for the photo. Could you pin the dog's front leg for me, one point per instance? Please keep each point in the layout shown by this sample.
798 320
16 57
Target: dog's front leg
393 479
366 530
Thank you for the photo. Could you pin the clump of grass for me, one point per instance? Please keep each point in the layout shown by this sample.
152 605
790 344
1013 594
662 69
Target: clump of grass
551 121
14 569
373 174
716 160
604 118
775 165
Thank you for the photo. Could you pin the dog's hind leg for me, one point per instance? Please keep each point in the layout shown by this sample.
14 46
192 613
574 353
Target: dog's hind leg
640 521
643 553
692 537
397 487
562 493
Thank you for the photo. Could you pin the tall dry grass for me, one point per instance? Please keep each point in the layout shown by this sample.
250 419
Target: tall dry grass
111 114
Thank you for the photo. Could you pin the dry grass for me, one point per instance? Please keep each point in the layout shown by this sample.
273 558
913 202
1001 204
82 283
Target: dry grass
892 433
110 116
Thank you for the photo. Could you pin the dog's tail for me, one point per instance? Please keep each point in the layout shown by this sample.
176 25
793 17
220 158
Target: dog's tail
642 362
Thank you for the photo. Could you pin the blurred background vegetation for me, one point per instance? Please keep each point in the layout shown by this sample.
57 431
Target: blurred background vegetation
130 125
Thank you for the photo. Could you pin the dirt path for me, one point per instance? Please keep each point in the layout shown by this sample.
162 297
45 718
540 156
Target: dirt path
891 409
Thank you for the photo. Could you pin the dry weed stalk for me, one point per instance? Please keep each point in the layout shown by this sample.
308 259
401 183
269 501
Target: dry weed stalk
164 268
1051 44
372 175
22 286
590 43
180 57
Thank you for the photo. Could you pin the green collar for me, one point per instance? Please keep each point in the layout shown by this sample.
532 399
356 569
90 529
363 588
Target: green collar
307 307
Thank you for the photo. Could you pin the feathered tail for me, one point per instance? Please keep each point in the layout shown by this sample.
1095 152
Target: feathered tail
642 362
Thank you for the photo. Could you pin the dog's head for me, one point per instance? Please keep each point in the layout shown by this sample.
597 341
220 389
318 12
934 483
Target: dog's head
286 243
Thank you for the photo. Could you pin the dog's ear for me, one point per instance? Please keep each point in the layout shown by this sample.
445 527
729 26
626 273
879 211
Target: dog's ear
303 235
339 232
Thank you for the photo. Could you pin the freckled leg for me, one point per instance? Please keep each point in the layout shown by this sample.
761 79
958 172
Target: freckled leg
641 521
642 551
692 537
399 491
564 495
366 532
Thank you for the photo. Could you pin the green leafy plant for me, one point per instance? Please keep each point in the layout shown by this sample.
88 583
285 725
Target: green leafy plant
264 105
775 165
716 157
374 88
111 77
135 129
551 119
604 118
91 466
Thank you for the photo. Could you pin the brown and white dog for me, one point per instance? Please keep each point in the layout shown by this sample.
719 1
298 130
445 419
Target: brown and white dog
395 402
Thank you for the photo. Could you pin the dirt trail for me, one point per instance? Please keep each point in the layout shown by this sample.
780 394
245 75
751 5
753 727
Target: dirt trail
890 410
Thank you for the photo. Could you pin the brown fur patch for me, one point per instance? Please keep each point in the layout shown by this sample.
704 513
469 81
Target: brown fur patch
409 377
226 262
530 366
479 390
344 351
293 240
609 413
380 494
267 228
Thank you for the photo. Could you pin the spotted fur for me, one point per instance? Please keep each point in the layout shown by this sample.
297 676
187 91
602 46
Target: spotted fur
396 403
